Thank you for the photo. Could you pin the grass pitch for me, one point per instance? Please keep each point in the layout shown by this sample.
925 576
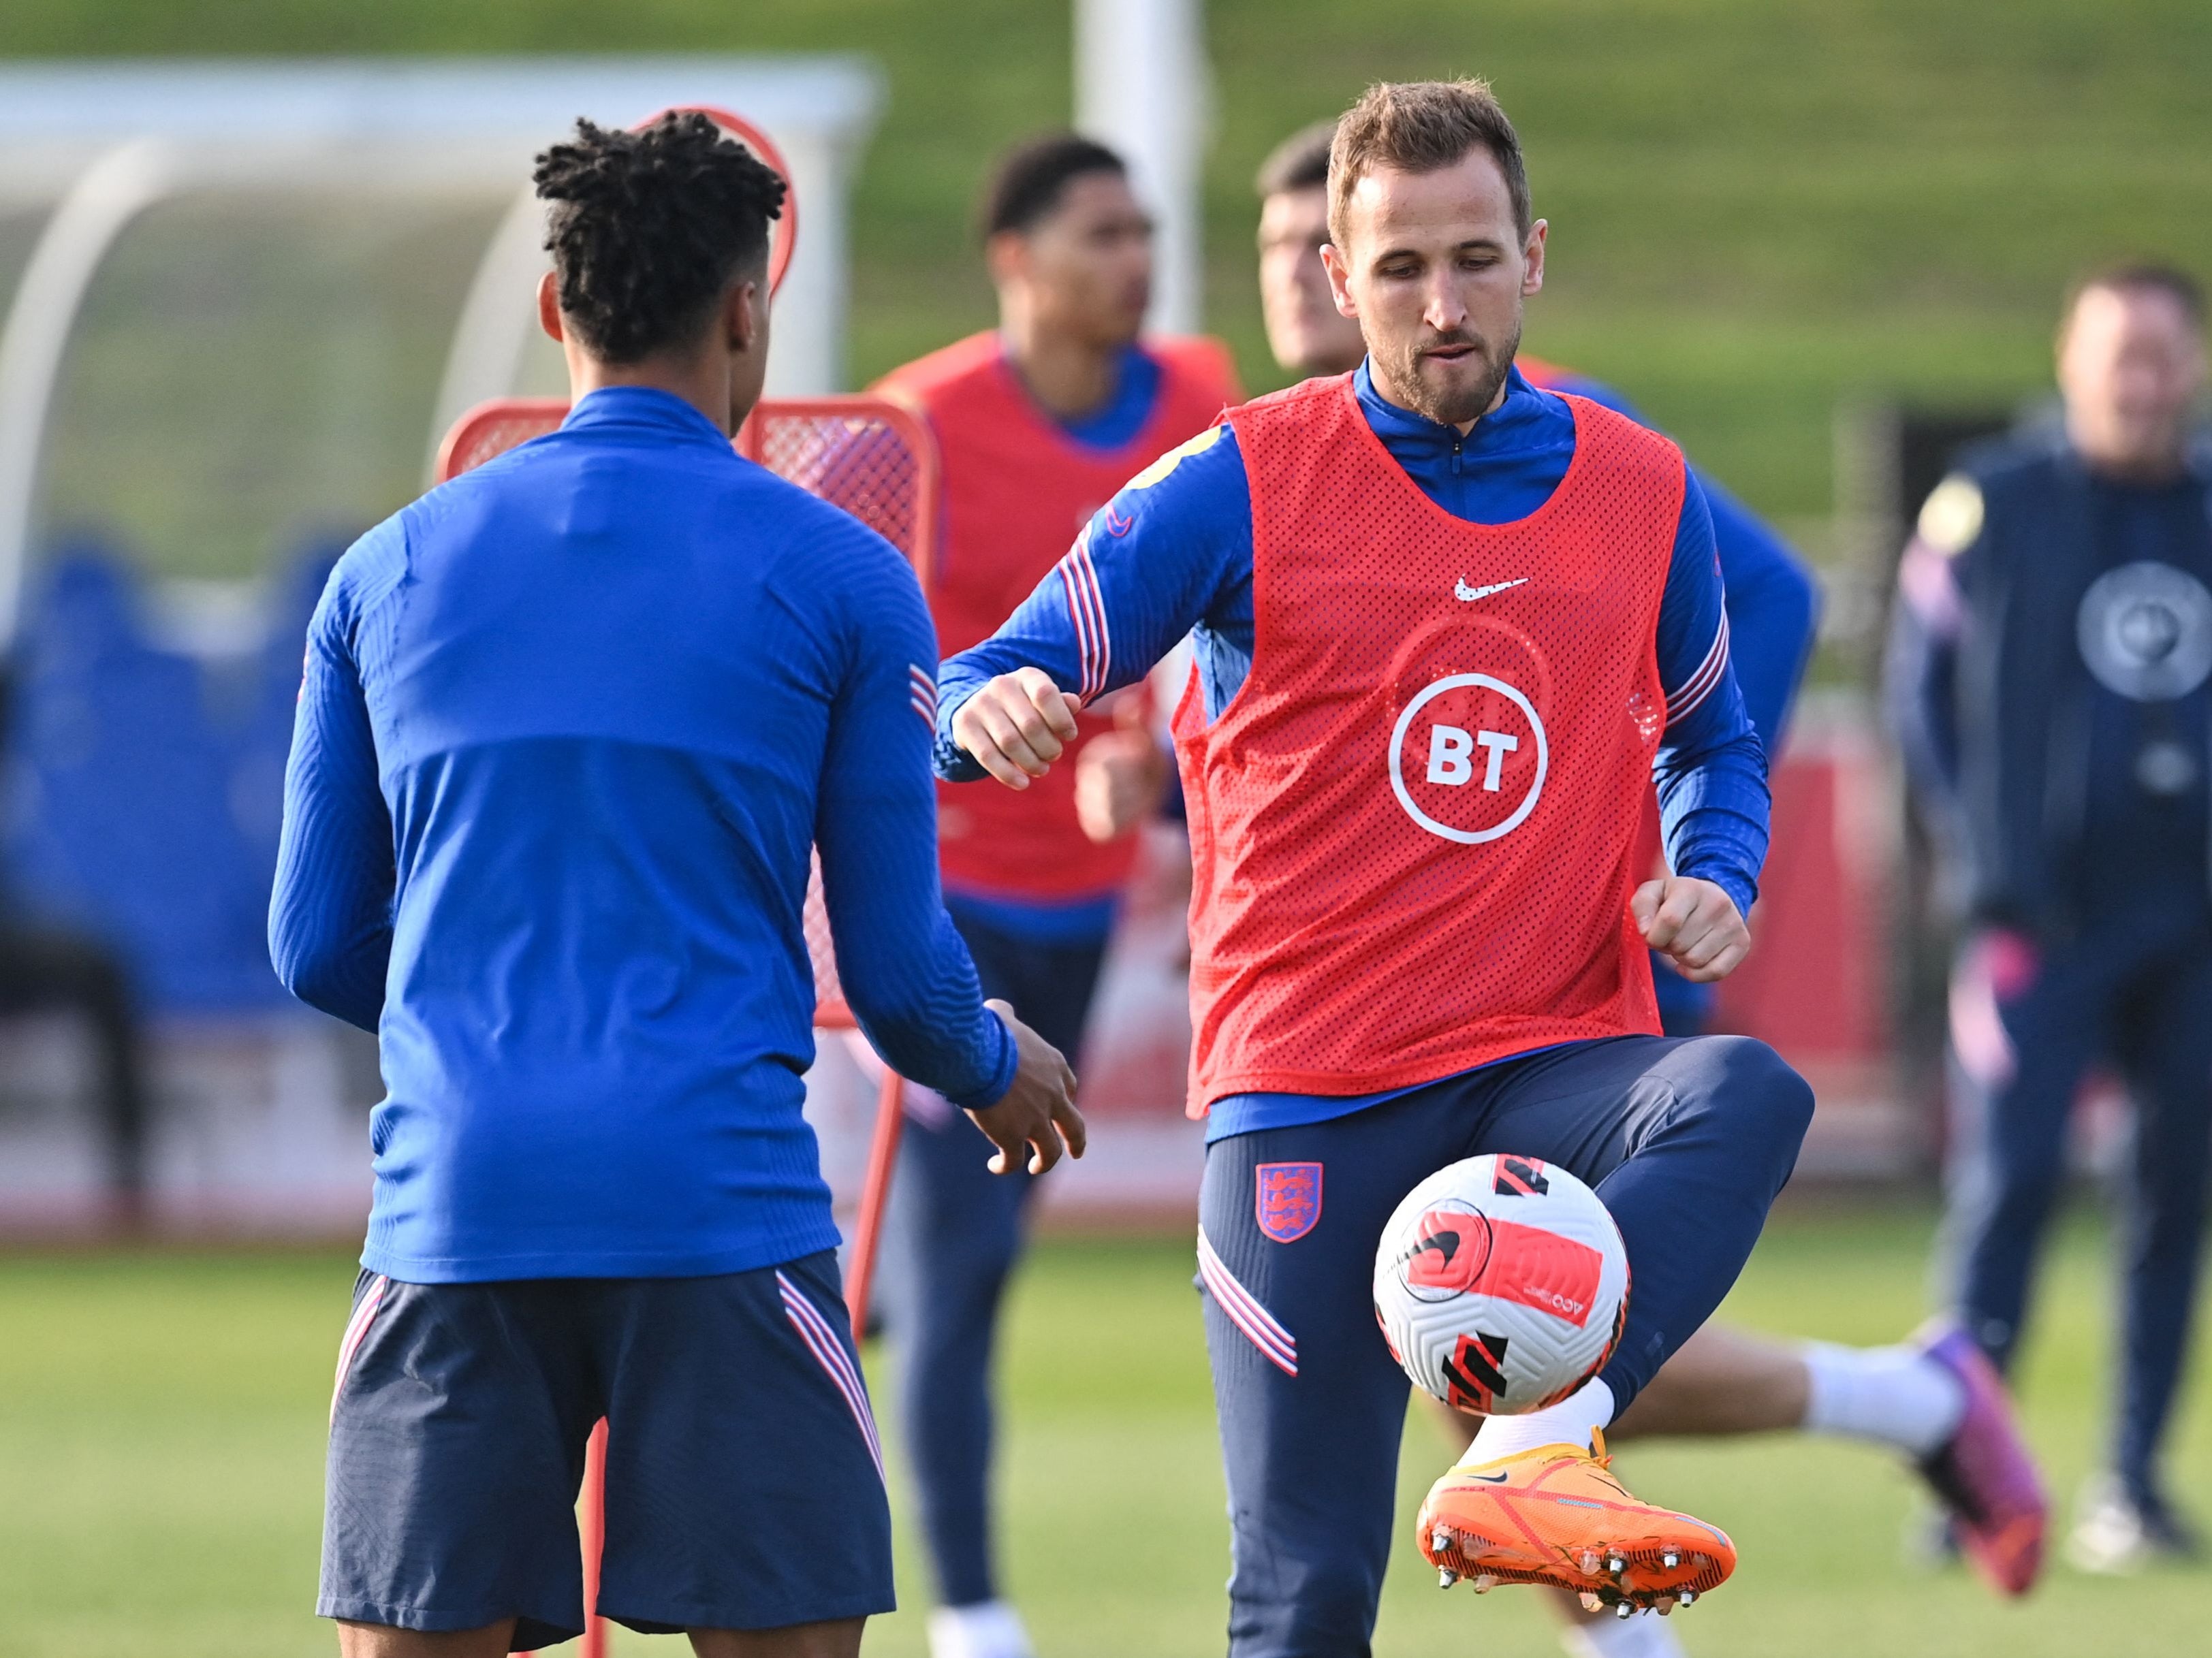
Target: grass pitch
161 1420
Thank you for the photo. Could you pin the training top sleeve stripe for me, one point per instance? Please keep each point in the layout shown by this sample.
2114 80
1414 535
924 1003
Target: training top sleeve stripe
1086 605
1701 684
1171 552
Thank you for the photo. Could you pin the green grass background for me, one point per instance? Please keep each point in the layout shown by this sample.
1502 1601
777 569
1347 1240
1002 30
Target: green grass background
1763 210
161 1426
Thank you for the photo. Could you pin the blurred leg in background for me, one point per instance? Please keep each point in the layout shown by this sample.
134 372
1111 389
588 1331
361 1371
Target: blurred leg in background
49 970
2165 1049
956 1232
2026 1025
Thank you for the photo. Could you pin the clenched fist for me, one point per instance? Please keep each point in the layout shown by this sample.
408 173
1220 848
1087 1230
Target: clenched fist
1016 725
1694 924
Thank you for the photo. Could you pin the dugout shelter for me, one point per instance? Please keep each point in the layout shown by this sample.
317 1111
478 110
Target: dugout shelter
239 303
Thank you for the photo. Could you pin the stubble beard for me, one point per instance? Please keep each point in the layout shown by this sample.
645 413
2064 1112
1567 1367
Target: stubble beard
1456 408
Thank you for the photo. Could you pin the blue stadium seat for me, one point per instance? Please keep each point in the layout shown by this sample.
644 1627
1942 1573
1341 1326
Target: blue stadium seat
145 787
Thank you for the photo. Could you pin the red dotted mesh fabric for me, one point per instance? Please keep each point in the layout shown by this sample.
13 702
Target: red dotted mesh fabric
1416 825
872 458
861 462
490 429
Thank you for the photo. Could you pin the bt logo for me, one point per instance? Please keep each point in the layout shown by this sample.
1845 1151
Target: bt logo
1449 747
1486 755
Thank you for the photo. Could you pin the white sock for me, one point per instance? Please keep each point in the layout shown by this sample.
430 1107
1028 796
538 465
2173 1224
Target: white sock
1567 1423
1893 1396
989 1629
1647 1634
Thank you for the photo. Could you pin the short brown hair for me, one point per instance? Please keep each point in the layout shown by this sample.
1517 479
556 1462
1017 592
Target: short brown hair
1423 126
1299 162
2140 276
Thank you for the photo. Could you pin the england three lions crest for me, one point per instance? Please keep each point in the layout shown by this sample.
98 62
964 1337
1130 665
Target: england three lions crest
1289 1199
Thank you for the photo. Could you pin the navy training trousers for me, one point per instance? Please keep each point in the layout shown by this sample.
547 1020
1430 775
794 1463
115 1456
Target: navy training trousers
1687 1141
2135 992
955 1232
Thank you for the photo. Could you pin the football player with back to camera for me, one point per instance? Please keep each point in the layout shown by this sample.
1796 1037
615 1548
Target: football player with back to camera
570 724
1408 949
1038 422
2050 667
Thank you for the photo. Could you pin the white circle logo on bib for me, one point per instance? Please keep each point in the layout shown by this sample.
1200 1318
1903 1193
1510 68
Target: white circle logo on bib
1468 758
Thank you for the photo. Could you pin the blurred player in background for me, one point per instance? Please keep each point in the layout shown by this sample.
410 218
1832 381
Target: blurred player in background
1405 951
2052 648
568 726
1914 1398
45 968
1038 422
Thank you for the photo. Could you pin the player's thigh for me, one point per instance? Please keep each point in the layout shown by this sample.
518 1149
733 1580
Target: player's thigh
954 1228
2024 1024
744 1475
1311 1402
840 1639
1288 1223
1050 984
946 1193
2168 1063
457 1430
381 1640
1706 1100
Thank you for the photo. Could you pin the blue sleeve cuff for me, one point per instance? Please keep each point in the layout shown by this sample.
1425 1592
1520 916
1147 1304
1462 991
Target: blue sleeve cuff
951 762
1003 1067
1730 880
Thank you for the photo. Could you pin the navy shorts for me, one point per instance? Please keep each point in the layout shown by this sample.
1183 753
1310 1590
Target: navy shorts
745 1478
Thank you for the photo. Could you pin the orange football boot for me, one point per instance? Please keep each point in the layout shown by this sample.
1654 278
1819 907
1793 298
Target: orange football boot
1557 1516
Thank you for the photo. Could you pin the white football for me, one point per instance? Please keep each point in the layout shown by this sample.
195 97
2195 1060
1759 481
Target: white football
1501 1283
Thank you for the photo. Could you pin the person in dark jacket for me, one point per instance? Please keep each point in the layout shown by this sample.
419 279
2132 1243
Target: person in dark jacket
2049 670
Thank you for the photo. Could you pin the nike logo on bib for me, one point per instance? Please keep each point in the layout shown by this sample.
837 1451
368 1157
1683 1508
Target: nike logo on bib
1467 595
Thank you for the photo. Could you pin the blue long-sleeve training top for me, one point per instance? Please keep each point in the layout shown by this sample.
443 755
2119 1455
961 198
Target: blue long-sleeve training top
1172 554
1773 616
569 728
1773 604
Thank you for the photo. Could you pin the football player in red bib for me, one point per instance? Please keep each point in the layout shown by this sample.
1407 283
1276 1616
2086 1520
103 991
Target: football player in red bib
1927 1399
1450 629
1039 422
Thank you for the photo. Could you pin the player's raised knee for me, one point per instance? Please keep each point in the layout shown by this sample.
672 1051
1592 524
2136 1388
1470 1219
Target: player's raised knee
1757 1090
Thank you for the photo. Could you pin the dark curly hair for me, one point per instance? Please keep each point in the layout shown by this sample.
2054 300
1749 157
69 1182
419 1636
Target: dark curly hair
649 227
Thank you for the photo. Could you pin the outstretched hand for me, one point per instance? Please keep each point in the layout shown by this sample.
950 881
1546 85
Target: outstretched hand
1016 725
1694 924
1037 1115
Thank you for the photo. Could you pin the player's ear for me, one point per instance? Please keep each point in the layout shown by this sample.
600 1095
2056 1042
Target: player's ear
549 306
1340 275
742 314
1532 255
1005 256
